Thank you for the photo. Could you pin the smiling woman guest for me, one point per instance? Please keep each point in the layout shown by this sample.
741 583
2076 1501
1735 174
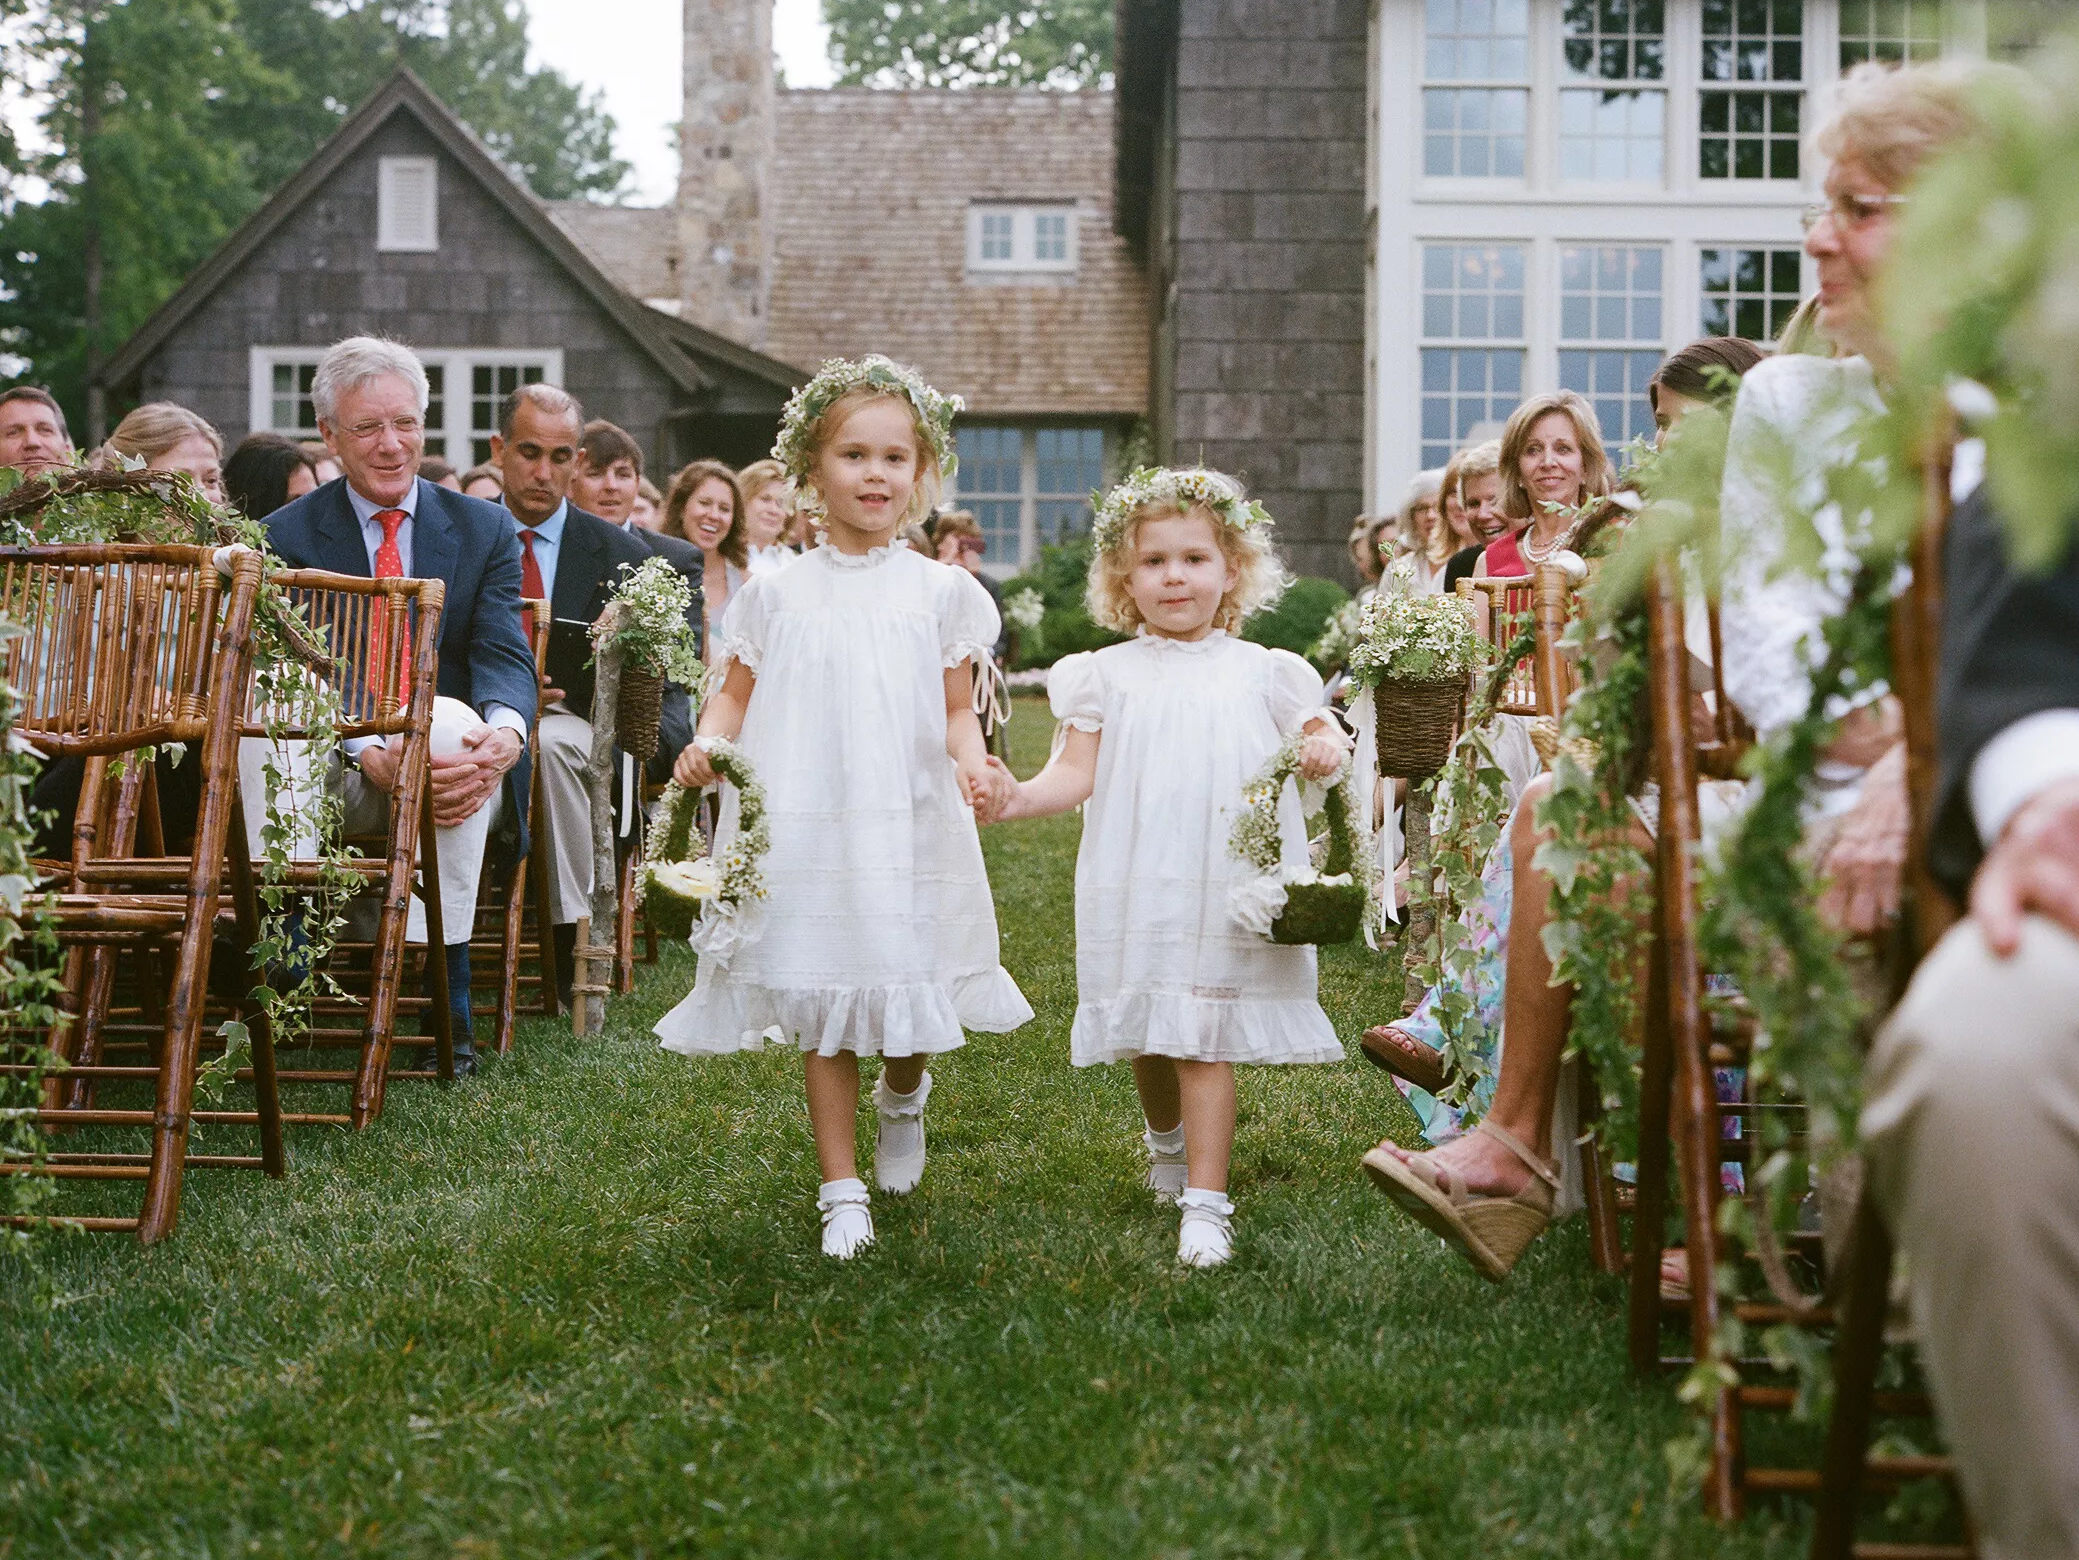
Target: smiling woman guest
1552 463
704 507
1474 513
768 506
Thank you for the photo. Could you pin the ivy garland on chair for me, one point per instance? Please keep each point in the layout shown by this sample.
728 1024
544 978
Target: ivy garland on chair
28 980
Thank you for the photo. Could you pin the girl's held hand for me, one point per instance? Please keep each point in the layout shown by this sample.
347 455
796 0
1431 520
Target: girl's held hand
1003 787
1321 755
692 769
981 787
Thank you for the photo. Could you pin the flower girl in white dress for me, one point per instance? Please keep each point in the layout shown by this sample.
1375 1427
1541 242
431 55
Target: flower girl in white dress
846 680
1161 735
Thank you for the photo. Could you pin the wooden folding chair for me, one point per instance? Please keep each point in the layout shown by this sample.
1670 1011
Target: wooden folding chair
1501 609
505 942
122 648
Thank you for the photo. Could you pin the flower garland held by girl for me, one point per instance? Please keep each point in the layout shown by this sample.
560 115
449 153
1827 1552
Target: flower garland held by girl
846 680
1161 735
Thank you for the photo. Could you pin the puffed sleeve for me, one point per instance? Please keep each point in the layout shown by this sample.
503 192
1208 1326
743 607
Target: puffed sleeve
1075 690
1296 693
740 636
967 621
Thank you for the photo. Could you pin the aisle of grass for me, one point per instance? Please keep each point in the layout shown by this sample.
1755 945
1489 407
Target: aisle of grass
573 1308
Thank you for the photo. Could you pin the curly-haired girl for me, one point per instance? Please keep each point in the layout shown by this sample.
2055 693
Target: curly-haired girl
1161 735
846 679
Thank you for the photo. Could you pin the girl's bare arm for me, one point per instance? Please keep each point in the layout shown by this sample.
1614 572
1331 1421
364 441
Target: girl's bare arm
721 716
1067 781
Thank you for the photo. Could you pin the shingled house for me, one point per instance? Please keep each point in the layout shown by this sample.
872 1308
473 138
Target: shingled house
404 225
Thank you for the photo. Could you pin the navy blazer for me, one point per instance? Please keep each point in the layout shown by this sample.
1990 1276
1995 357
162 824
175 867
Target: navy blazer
469 545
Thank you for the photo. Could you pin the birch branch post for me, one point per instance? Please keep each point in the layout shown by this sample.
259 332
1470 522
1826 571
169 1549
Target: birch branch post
595 960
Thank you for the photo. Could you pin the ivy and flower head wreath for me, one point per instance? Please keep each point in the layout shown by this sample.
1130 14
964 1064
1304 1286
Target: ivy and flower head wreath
1186 490
796 447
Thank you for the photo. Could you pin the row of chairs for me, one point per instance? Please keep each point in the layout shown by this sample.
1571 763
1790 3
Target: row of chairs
1683 1128
123 649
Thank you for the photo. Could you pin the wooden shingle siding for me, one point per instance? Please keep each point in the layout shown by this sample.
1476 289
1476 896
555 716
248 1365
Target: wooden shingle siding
1266 322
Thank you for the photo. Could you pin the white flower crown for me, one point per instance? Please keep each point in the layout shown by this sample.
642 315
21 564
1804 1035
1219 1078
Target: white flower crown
795 448
1163 487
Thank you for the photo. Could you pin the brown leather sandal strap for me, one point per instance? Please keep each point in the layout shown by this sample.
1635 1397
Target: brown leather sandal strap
1508 1140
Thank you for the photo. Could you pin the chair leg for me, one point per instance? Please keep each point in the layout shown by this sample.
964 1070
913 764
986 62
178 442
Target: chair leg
624 928
1605 1240
1858 1351
245 901
442 999
511 923
1650 1207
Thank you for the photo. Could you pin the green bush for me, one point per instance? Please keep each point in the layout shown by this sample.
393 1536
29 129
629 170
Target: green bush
1059 576
1295 620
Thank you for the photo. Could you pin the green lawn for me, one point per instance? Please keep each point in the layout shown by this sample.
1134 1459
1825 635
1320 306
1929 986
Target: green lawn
574 1308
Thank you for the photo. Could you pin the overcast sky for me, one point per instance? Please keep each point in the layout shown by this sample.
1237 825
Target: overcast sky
635 58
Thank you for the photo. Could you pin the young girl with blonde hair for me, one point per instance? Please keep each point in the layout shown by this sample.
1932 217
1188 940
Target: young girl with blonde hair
846 681
1161 735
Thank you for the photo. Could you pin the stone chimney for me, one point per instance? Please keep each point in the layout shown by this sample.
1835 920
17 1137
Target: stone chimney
726 155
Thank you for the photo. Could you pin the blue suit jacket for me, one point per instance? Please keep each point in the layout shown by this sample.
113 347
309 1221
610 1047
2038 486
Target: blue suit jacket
469 545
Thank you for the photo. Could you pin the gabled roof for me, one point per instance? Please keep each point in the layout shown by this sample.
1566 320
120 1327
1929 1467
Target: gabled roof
671 347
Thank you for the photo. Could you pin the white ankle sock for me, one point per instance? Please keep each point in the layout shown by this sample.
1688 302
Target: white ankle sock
1165 1177
847 1217
1205 1235
898 1159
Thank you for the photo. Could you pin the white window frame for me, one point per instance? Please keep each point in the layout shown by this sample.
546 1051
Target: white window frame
1636 86
1029 493
1520 343
1024 257
390 237
450 441
1525 85
1627 346
1697 253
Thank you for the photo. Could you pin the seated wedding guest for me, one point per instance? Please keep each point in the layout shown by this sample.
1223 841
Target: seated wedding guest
484 482
32 431
1552 464
265 472
1369 543
167 437
956 539
437 470
1475 514
704 508
608 482
647 514
379 520
768 506
322 460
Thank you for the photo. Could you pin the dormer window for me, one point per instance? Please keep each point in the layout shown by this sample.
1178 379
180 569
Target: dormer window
407 205
1007 238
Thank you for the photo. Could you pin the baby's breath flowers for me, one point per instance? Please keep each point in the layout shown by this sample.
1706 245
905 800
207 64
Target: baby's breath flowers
654 633
1416 638
712 898
795 448
1186 489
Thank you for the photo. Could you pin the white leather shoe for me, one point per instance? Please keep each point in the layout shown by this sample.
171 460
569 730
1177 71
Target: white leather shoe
1205 1235
898 1155
1165 1177
847 1218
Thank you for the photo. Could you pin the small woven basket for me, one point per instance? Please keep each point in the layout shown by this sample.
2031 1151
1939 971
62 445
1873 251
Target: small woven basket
1325 913
1418 722
637 714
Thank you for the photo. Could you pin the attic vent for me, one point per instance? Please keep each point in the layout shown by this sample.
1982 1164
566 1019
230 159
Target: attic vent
407 205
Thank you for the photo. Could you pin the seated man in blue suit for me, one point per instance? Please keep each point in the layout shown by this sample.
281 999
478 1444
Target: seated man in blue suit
381 520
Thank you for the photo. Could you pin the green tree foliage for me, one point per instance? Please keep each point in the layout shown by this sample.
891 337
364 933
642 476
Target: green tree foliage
970 43
206 107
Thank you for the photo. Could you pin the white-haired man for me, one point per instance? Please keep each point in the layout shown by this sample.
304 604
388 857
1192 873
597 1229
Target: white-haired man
381 520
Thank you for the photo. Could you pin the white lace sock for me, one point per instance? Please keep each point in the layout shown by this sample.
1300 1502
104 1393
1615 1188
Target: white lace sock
1205 1237
847 1217
1165 1176
898 1156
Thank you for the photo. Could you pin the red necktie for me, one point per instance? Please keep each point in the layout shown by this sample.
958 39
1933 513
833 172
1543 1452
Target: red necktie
389 565
530 582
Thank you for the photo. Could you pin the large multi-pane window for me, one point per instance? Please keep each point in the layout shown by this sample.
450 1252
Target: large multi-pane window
1027 487
1472 340
1749 292
1610 332
1752 104
1476 100
1896 32
1615 131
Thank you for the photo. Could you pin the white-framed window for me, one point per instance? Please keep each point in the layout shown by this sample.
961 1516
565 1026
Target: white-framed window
1476 88
464 385
1751 107
407 205
1473 340
1611 332
1021 238
1749 291
1028 487
1896 32
1613 132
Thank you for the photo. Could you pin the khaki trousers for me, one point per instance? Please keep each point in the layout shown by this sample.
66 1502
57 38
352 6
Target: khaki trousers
1971 1129
566 748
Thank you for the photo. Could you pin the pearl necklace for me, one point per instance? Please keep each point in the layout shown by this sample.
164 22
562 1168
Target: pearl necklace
1558 543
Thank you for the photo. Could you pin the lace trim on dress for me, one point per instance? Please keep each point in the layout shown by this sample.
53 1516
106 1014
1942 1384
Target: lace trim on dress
1180 646
737 648
872 558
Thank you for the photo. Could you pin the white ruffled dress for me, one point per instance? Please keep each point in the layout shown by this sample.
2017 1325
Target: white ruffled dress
878 934
1161 969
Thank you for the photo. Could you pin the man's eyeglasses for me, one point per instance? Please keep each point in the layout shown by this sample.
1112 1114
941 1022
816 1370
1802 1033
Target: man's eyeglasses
1849 211
368 432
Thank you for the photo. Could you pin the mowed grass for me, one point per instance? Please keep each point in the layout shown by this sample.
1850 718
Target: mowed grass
575 1308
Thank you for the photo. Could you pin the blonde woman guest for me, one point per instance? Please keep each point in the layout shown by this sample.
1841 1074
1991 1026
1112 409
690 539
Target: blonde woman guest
767 508
1476 513
1552 463
167 437
648 513
705 508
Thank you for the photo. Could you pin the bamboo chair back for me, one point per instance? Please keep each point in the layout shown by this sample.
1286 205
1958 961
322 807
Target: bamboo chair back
379 641
121 648
1502 608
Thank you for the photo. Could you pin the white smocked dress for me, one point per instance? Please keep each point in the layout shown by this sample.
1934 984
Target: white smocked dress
878 935
1161 970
